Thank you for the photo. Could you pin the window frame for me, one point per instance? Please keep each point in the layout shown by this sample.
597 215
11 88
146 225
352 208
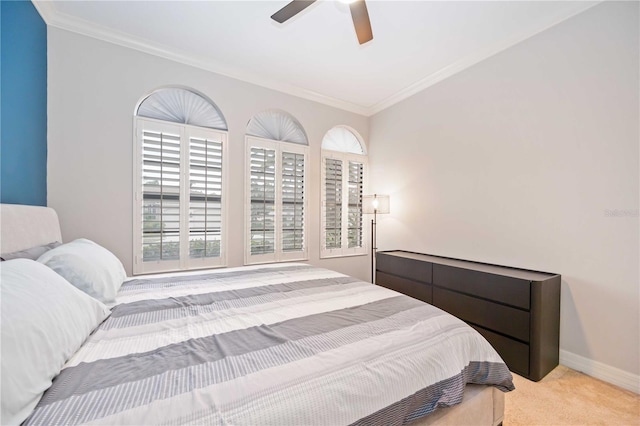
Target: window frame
344 250
278 255
185 262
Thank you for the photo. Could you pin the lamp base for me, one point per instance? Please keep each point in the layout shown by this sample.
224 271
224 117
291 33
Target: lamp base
373 249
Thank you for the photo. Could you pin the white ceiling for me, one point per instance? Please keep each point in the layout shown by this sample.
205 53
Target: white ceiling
316 55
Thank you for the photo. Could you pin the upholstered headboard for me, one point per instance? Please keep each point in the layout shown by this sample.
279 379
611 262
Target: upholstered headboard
23 227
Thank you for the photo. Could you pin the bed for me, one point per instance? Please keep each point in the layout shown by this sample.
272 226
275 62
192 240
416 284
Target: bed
272 344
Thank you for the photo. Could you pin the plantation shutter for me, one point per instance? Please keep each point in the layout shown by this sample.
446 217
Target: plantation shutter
276 204
342 193
205 197
292 201
178 196
160 194
333 203
263 199
354 231
343 170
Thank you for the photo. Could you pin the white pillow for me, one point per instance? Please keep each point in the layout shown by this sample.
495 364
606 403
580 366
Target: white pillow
45 320
88 266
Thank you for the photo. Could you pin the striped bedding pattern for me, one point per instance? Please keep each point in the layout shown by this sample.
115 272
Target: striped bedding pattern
270 345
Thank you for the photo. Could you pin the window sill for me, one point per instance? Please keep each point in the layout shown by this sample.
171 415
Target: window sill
333 256
266 262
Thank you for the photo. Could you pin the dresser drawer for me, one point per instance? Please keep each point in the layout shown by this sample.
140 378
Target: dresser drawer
408 268
418 290
508 290
515 354
516 310
493 316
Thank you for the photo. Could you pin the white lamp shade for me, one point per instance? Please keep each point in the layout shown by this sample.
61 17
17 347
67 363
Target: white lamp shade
375 203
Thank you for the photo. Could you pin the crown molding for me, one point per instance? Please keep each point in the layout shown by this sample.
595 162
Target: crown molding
473 59
70 23
100 32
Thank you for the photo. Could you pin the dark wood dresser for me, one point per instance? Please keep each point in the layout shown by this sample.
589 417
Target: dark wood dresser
516 310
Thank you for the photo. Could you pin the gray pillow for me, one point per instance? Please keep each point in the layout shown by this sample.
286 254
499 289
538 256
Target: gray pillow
32 253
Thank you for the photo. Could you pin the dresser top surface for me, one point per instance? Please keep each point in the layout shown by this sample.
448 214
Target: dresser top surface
523 274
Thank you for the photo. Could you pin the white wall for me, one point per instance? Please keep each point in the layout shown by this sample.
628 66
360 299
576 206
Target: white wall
517 160
93 88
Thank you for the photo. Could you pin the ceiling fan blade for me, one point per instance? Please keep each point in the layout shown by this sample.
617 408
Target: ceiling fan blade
291 10
361 22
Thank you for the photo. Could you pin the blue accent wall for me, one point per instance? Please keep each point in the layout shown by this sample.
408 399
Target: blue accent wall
23 122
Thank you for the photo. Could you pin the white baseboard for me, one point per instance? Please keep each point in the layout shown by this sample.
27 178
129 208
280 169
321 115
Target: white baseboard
601 371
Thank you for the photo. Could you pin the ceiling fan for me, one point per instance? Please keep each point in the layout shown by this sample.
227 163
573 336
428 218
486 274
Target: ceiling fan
358 9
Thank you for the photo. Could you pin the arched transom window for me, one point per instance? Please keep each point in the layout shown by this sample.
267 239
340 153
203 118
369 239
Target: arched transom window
179 180
343 139
277 125
276 198
344 166
184 106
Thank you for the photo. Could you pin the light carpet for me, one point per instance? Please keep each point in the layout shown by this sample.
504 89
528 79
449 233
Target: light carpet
568 397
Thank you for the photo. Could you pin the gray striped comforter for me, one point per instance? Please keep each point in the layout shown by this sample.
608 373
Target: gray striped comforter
275 345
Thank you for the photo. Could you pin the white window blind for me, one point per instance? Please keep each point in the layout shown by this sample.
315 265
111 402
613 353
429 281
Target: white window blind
343 173
179 203
276 201
184 106
263 200
342 191
333 203
292 201
277 125
354 227
205 197
342 139
160 195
